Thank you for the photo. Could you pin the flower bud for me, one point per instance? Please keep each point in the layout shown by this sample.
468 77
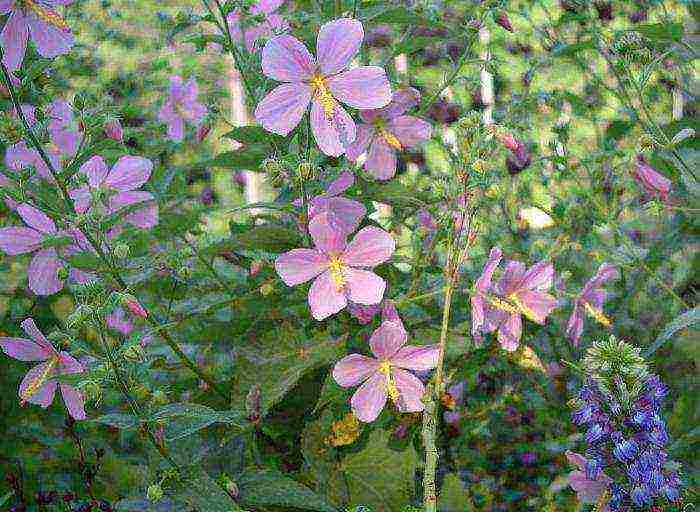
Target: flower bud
503 20
154 493
306 170
255 267
685 133
121 250
113 130
202 131
267 289
132 304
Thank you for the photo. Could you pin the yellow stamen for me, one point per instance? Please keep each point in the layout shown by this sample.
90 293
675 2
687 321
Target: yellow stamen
390 138
323 95
45 14
503 305
391 389
597 315
523 308
336 267
37 383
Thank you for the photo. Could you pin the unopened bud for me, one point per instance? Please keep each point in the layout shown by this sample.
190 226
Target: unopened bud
305 170
132 304
255 267
154 493
113 130
503 20
230 487
202 131
121 250
267 289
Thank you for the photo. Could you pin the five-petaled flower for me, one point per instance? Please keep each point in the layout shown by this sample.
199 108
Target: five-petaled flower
590 301
340 270
41 20
322 83
385 375
40 383
343 213
181 106
386 131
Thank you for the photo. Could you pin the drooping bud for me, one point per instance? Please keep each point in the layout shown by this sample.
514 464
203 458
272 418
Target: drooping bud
653 183
132 304
202 131
503 20
113 130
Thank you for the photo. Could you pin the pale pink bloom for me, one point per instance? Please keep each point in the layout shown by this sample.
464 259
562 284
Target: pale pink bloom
181 106
653 183
385 375
590 301
117 188
38 19
587 490
40 383
320 83
340 270
386 131
343 213
64 130
271 24
114 130
118 321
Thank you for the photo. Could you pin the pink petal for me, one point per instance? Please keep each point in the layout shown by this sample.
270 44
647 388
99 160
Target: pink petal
129 173
364 287
338 42
411 391
344 181
346 213
370 398
411 131
300 265
281 110
596 298
6 6
576 459
574 328
370 247
363 138
539 277
333 133
484 282
68 364
233 19
265 6
24 350
286 59
386 340
29 327
362 87
401 101
416 358
145 217
14 40
539 305
353 369
606 272
327 238
44 395
50 41
477 312
324 298
381 160
511 278
43 273
36 219
75 403
509 333
96 171
176 129
20 240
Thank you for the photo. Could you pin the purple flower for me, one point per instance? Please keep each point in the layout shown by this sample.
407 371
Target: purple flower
38 18
119 322
653 183
338 268
49 247
481 321
181 106
386 131
63 129
320 83
587 490
343 213
590 301
115 189
39 384
385 374
113 130
271 24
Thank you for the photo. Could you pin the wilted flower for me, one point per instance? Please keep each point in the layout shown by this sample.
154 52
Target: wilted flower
343 213
588 490
322 84
115 189
386 131
135 308
338 268
385 374
654 183
272 23
181 107
590 301
519 159
38 19
114 130
40 383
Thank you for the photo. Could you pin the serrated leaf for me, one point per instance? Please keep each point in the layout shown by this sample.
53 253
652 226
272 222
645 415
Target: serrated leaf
683 321
185 419
268 487
661 31
248 157
269 238
118 420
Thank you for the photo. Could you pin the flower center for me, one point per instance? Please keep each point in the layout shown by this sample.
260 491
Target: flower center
336 268
44 14
523 308
597 315
38 382
323 95
391 389
390 138
503 305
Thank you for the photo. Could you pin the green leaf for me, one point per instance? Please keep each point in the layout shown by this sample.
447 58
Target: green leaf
269 238
185 419
661 31
118 420
399 15
204 494
6 498
453 495
85 260
683 321
380 477
248 157
268 487
252 135
569 50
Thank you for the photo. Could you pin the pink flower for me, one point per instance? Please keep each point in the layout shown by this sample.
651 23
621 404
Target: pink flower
321 84
116 188
181 106
343 213
386 131
134 307
38 18
654 183
338 268
63 129
49 246
590 301
114 130
385 375
587 491
118 321
518 292
39 384
272 23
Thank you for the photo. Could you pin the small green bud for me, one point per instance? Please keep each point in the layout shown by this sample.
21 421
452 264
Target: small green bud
121 250
154 493
306 170
267 289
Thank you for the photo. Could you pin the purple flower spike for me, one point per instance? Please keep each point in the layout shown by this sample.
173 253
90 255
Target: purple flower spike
39 384
181 107
343 213
38 19
590 301
338 268
386 131
385 375
321 83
